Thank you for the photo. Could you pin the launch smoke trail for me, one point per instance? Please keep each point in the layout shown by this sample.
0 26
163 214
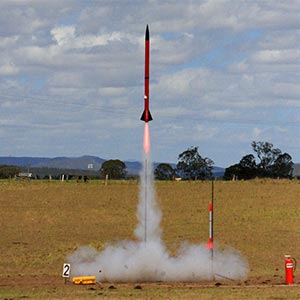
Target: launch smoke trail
147 189
147 259
149 214
136 261
148 228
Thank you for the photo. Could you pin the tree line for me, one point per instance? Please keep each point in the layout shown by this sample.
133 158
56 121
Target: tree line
265 161
191 165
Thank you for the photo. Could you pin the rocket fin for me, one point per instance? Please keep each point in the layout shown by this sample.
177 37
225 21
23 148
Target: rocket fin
146 116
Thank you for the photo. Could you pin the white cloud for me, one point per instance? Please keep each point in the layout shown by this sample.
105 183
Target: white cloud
290 56
227 70
8 69
256 133
63 34
66 36
8 42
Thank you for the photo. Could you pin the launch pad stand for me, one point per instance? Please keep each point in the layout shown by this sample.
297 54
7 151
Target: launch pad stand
146 196
212 229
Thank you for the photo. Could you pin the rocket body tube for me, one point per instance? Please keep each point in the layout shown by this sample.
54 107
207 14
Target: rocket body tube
146 116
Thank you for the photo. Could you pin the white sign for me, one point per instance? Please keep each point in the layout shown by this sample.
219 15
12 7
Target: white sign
66 270
90 166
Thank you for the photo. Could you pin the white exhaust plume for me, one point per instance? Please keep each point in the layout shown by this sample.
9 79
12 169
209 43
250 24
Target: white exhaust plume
147 259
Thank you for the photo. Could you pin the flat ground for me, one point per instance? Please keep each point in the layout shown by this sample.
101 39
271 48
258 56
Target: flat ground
43 222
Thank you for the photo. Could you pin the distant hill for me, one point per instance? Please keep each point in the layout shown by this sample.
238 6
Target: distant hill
218 171
79 163
22 161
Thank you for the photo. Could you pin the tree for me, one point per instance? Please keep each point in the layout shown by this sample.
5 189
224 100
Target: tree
7 171
272 163
232 172
267 156
191 165
245 169
283 166
164 172
114 168
248 167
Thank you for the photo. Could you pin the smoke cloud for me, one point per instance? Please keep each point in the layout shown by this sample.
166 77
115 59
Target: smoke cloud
147 258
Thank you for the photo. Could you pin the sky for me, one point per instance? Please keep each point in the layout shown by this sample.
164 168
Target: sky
222 74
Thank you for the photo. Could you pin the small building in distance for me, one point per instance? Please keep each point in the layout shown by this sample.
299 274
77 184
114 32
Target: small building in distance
24 175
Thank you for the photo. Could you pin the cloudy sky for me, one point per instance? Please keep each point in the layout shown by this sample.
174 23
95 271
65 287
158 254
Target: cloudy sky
223 74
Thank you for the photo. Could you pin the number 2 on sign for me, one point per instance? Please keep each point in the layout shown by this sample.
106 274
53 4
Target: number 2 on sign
66 270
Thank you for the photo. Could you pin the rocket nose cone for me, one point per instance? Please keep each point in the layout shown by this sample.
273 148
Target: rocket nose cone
147 33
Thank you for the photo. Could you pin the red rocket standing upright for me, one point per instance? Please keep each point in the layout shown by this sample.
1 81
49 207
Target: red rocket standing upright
211 226
146 116
210 244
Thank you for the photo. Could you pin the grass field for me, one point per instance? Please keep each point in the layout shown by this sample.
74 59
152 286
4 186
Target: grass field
43 222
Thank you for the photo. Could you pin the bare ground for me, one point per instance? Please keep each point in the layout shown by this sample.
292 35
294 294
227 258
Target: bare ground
56 282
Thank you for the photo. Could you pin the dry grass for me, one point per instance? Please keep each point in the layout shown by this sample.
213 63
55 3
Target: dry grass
42 222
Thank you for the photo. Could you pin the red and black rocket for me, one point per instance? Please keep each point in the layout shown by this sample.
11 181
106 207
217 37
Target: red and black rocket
146 116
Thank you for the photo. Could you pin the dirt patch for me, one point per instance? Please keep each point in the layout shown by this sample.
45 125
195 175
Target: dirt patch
31 281
56 282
